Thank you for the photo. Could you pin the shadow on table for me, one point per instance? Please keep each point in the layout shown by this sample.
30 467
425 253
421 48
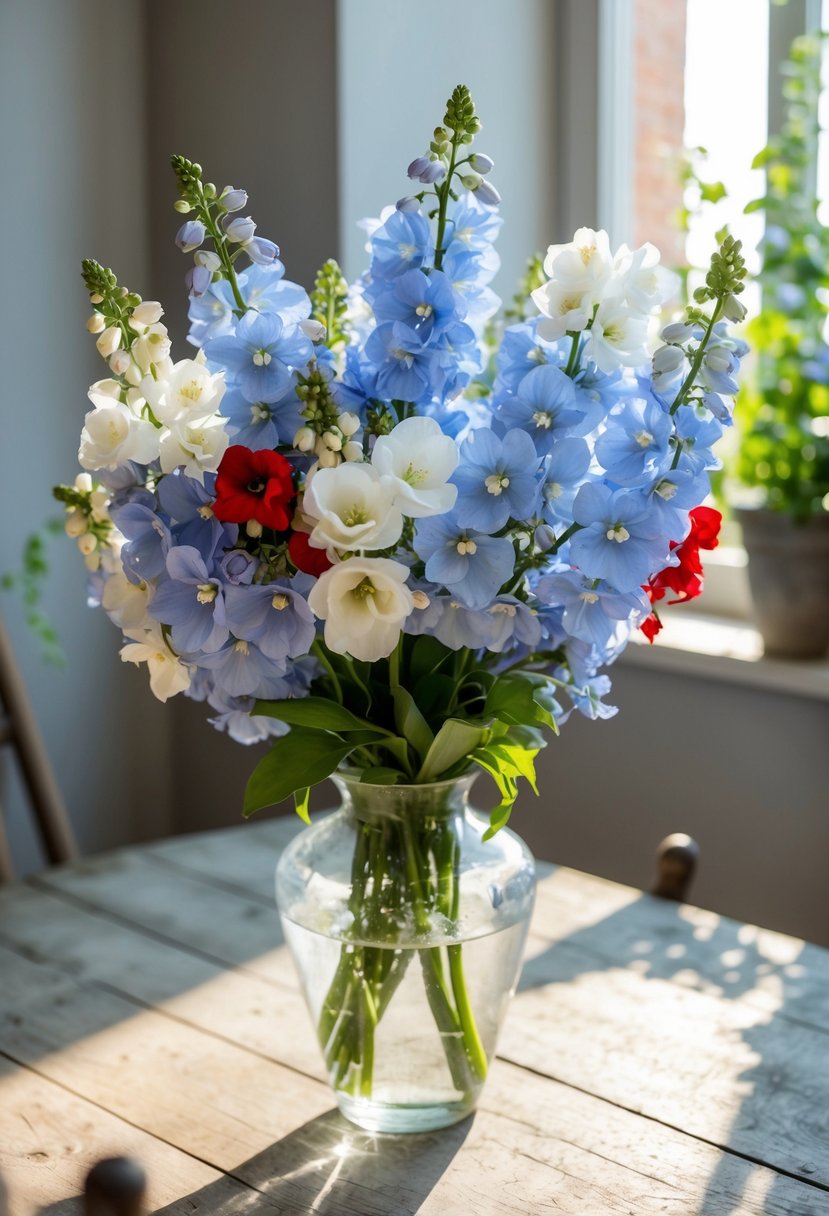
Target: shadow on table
331 1168
704 951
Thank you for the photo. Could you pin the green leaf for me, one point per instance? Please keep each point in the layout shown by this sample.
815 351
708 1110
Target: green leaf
516 761
410 721
316 712
433 694
301 800
428 654
499 818
522 699
455 740
380 776
296 761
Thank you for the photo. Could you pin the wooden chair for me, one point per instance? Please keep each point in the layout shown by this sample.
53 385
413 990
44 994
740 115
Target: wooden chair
677 858
19 731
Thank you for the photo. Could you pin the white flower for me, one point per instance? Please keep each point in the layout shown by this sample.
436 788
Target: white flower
126 603
644 283
113 435
582 266
189 393
364 602
563 310
618 337
168 675
197 447
418 460
148 312
109 341
312 329
151 349
352 507
76 524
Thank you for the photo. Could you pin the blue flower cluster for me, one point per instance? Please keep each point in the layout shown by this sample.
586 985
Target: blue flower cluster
294 483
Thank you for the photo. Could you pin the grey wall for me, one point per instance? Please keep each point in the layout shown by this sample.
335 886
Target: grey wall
72 156
398 64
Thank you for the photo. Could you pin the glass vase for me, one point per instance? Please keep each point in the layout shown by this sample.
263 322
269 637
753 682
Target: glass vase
407 929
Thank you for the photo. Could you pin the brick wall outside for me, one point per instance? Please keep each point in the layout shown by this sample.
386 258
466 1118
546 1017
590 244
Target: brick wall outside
659 119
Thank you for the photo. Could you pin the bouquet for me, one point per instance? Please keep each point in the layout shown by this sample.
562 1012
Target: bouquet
381 528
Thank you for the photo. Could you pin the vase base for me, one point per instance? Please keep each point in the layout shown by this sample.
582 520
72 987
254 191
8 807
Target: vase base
397 1118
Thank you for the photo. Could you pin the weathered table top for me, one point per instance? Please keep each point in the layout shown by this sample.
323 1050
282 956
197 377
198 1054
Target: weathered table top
657 1059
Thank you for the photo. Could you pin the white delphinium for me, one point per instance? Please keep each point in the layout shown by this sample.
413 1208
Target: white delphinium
417 459
645 284
168 675
351 507
578 274
125 603
187 393
196 446
618 336
114 432
364 602
565 311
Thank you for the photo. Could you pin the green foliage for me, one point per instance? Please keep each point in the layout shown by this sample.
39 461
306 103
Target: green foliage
28 582
435 714
460 114
783 411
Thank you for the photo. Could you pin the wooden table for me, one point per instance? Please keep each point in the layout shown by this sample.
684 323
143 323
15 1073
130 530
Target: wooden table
658 1059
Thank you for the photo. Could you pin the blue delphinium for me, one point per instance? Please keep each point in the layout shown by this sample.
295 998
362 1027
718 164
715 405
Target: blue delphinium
472 565
259 355
497 479
619 538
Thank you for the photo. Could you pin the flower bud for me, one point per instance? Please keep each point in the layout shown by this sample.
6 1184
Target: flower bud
315 330
352 451
304 439
134 374
481 164
92 561
119 362
197 281
96 323
417 166
208 260
182 206
95 297
190 235
488 195
407 203
109 341
348 423
149 312
435 171
83 483
678 331
668 359
262 251
253 528
239 230
87 544
328 459
420 599
332 441
233 200
733 309
75 523
471 181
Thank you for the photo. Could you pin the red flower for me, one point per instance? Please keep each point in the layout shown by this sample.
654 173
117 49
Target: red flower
254 485
305 557
685 579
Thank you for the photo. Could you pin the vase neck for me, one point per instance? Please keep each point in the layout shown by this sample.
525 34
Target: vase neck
368 803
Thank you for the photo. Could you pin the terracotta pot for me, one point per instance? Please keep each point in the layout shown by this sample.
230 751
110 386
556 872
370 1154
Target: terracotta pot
788 571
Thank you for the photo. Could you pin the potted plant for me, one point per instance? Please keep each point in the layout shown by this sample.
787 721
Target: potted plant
783 408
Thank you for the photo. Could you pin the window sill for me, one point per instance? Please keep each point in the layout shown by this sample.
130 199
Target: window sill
718 648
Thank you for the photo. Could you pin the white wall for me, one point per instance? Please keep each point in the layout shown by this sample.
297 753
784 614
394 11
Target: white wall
399 62
72 156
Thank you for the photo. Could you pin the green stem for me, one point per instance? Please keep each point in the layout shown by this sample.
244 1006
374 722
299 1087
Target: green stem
565 536
698 357
319 651
573 361
443 203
